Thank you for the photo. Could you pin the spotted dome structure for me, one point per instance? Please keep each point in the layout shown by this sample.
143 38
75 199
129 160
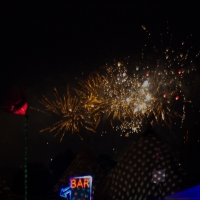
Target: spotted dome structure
84 164
147 171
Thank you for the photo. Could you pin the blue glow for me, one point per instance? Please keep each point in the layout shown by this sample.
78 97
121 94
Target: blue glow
190 193
66 192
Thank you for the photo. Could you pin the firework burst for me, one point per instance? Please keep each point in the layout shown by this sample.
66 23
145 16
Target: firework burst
152 88
72 113
159 84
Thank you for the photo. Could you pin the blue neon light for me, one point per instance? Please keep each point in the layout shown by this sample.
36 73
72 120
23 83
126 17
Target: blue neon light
66 192
190 193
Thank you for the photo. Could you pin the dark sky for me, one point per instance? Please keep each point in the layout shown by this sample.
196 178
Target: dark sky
47 44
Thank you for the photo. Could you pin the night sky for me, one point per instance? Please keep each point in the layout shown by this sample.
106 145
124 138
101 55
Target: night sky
48 44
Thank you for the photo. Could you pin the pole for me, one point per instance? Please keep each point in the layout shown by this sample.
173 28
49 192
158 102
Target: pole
25 156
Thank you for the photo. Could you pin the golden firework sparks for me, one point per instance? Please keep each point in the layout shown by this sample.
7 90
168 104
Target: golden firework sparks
72 114
91 94
130 92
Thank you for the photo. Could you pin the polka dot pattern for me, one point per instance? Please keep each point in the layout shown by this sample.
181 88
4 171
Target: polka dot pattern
132 176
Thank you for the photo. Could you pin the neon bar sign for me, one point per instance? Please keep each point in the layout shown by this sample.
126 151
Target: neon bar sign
80 188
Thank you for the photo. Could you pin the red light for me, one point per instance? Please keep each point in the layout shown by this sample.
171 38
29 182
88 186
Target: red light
80 183
180 71
177 97
164 95
21 110
147 74
17 105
